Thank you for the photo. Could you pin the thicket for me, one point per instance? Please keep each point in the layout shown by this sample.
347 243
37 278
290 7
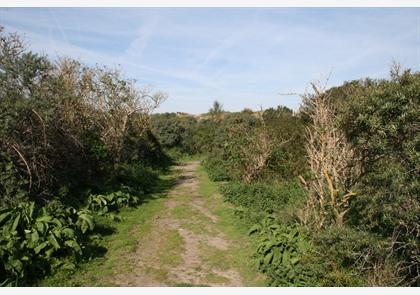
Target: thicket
176 132
355 150
75 142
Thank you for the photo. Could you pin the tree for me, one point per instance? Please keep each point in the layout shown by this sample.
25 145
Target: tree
216 111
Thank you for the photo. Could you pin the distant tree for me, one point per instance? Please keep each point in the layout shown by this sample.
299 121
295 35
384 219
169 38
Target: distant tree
216 111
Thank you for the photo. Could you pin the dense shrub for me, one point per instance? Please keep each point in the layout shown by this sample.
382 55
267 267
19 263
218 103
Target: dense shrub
175 131
380 118
135 177
235 137
354 257
216 169
262 197
64 126
281 252
34 240
378 243
75 142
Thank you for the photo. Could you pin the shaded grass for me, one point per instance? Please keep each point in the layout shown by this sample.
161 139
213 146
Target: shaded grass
120 242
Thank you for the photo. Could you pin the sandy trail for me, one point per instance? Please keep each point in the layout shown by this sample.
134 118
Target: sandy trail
183 242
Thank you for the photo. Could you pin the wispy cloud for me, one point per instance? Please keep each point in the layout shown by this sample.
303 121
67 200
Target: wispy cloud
242 57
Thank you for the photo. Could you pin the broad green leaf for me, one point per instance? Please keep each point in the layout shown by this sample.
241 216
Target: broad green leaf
295 260
53 241
73 244
88 219
44 218
68 232
34 237
4 215
31 209
41 227
15 223
41 246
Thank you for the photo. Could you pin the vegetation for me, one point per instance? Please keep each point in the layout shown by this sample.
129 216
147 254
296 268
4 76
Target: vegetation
355 151
75 142
329 193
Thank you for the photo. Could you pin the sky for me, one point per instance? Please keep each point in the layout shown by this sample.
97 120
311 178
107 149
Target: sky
242 57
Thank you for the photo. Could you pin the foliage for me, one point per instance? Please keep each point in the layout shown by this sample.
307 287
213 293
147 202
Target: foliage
380 118
64 124
216 169
133 178
261 197
353 257
280 252
67 131
104 204
255 146
34 240
175 131
379 243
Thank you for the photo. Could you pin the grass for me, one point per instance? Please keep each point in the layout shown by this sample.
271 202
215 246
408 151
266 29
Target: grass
119 240
169 254
119 244
239 256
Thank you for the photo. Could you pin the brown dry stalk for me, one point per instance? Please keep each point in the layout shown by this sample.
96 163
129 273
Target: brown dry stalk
26 164
332 161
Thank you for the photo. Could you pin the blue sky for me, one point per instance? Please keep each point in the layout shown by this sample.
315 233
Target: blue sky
243 57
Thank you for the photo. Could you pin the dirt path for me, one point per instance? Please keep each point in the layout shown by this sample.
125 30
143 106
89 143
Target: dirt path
189 243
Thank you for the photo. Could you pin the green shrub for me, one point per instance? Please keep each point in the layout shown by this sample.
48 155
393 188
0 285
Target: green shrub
350 256
34 240
216 169
281 252
261 197
12 187
111 202
134 177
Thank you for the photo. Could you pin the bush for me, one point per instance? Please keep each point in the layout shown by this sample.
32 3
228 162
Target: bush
261 197
380 118
114 201
134 177
353 257
64 124
34 240
216 170
281 252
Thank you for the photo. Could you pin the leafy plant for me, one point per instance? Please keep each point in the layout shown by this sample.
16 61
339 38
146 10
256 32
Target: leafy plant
261 197
104 204
38 239
280 252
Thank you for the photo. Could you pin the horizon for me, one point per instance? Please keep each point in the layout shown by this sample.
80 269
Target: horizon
242 57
